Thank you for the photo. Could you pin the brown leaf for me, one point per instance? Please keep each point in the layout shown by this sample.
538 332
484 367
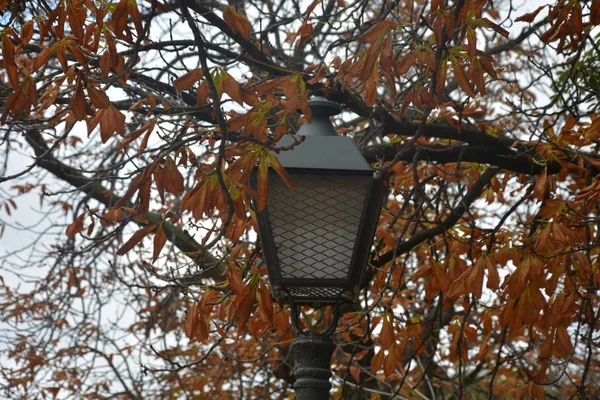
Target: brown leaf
144 196
263 184
242 308
529 17
386 336
389 364
41 59
234 276
190 327
186 81
160 238
265 303
27 33
111 121
171 178
377 361
105 64
78 103
377 31
595 12
97 96
8 55
562 343
462 79
276 165
76 226
237 22
407 61
134 239
493 281
492 25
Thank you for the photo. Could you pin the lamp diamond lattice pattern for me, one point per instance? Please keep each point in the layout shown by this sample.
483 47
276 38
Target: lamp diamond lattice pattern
315 225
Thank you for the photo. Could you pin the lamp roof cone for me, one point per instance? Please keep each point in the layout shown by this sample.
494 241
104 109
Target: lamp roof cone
317 236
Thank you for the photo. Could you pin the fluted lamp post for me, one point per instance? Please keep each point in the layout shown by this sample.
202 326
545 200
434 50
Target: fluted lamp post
317 237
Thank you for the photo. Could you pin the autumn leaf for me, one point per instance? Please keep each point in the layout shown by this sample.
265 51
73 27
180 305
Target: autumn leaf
8 56
135 239
237 22
386 336
76 226
187 80
242 308
171 178
263 183
277 167
236 284
97 96
595 12
111 121
377 31
265 303
390 362
493 279
160 238
377 361
27 33
78 103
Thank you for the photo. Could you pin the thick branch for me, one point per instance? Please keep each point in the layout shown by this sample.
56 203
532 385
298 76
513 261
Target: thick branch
520 162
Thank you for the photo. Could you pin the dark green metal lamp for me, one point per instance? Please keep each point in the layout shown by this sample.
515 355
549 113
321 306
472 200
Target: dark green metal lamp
317 237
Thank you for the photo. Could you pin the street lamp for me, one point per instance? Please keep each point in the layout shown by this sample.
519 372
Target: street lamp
317 237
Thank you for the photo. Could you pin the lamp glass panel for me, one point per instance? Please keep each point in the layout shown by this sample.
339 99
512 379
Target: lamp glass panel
315 225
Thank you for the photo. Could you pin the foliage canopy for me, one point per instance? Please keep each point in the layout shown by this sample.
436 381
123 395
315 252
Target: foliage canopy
136 126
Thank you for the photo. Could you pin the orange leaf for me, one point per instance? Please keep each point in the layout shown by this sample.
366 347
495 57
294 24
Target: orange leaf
237 22
26 33
41 59
191 322
595 12
186 81
97 96
134 239
386 336
377 361
78 103
242 308
234 276
389 365
8 55
76 226
377 31
529 17
172 179
276 165
160 238
263 184
493 281
265 303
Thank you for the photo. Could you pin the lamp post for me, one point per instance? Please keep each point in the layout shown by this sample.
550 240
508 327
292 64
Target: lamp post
317 237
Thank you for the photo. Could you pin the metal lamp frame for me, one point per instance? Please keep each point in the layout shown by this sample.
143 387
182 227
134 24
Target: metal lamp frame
362 246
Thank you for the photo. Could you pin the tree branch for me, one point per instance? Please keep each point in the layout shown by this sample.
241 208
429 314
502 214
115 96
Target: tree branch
212 268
